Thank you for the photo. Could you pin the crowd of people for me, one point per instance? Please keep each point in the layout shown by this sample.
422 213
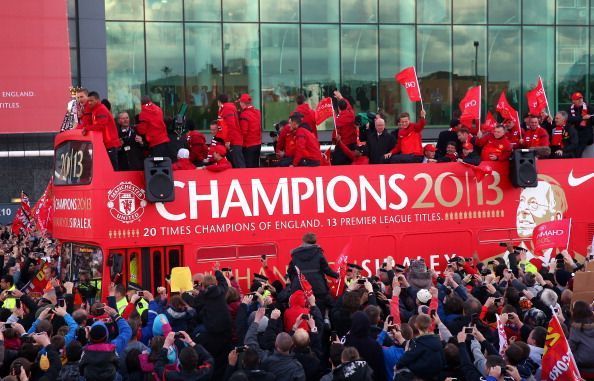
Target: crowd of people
236 136
404 322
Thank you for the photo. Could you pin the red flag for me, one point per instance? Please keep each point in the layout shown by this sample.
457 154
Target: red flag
305 285
43 210
558 363
554 234
507 112
480 171
470 106
324 110
537 98
37 284
502 337
341 263
408 79
490 123
22 219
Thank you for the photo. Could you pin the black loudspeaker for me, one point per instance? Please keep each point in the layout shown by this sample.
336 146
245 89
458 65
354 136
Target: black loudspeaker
158 179
522 171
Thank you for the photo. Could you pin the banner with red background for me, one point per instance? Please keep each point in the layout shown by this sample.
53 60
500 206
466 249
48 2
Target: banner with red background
35 67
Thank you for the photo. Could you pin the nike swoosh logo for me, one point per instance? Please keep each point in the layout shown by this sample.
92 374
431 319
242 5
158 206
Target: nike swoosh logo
577 181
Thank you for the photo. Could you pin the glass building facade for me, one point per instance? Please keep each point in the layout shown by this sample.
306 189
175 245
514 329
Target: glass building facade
189 51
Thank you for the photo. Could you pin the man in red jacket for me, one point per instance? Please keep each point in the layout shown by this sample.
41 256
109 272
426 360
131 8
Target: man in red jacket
153 129
228 113
84 114
102 120
250 122
496 146
309 115
285 146
307 147
197 147
183 160
345 127
409 147
536 138
220 162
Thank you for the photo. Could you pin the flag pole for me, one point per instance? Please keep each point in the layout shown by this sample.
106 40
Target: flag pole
519 125
334 120
545 95
419 87
480 107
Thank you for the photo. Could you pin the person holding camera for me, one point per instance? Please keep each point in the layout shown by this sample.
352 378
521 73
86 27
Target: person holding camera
281 362
195 363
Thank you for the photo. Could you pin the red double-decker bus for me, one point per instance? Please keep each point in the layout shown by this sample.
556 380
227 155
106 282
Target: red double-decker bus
433 211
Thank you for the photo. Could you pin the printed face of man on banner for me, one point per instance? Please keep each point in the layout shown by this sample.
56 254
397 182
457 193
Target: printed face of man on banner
544 203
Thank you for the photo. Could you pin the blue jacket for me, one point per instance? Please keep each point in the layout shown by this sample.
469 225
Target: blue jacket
147 331
392 355
72 327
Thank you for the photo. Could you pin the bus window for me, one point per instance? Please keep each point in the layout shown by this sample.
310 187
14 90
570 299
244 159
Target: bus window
83 264
174 258
268 249
214 253
145 255
436 247
73 163
133 267
486 236
157 270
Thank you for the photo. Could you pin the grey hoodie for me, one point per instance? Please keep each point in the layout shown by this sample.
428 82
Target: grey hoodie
581 342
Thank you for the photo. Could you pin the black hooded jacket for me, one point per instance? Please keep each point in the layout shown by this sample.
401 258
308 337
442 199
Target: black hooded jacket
360 337
425 357
312 264
215 313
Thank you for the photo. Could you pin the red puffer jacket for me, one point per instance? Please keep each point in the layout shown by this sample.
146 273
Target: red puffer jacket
345 126
410 139
296 308
183 164
102 120
151 125
309 117
197 144
306 146
228 113
250 121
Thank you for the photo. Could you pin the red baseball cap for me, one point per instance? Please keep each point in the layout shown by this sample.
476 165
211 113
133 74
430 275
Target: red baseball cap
577 95
220 149
429 147
245 98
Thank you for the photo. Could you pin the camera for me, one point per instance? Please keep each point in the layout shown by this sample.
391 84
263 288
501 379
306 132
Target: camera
179 336
240 349
361 281
61 303
140 293
305 317
468 330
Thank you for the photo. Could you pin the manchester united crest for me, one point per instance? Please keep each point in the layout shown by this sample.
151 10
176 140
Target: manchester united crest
126 202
